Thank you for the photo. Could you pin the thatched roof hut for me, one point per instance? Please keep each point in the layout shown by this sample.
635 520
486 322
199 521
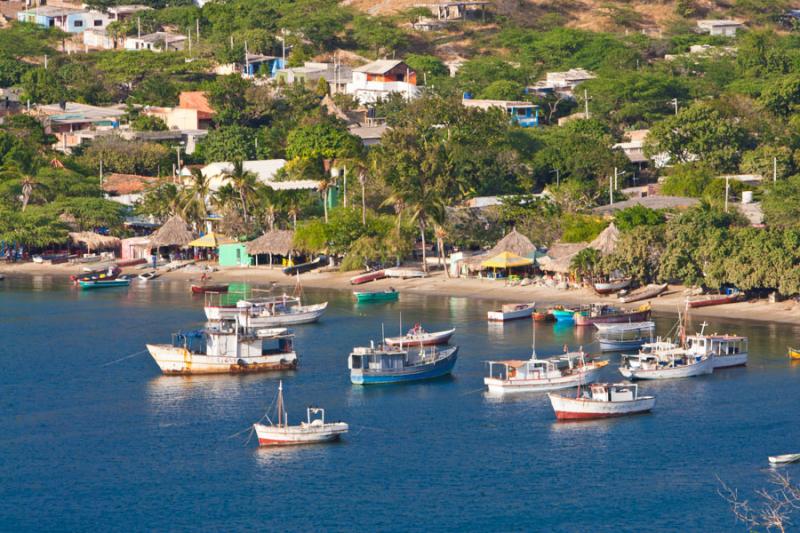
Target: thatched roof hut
94 241
559 257
606 242
174 232
277 242
514 242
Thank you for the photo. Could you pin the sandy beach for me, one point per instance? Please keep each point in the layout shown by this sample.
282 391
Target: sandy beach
786 312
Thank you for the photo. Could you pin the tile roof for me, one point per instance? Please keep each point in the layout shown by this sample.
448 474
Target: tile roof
126 183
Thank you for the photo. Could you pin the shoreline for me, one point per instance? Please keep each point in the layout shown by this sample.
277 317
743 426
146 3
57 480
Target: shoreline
437 284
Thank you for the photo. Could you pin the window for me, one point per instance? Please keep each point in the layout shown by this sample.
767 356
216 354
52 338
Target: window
98 22
78 24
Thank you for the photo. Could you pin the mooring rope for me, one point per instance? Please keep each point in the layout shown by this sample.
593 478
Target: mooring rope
140 352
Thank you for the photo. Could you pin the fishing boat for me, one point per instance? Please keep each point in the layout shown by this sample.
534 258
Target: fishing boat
404 273
664 360
705 300
201 288
314 430
366 277
306 267
602 400
614 285
644 293
784 459
624 337
226 348
563 314
112 272
542 375
512 312
265 312
606 314
148 276
794 354
417 336
725 350
105 283
131 262
543 316
390 295
373 365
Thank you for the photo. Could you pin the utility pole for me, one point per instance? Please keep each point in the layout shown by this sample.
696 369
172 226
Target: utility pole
246 60
178 149
197 30
727 186
774 170
610 191
586 104
674 103
344 170
558 176
101 171
138 27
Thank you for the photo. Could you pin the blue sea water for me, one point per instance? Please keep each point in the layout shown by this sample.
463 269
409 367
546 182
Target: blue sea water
88 445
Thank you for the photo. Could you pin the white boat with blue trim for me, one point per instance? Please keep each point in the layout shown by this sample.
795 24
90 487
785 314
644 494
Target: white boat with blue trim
382 364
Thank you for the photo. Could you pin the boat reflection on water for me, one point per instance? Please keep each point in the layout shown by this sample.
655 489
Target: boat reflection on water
563 329
267 457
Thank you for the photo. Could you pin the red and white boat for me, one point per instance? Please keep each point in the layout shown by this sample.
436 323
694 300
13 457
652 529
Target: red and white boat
705 300
614 285
366 277
417 336
313 431
602 400
201 288
512 312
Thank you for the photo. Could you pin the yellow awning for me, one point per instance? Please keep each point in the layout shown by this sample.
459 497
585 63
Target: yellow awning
210 240
507 260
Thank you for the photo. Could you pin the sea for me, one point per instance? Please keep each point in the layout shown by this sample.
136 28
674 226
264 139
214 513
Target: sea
95 438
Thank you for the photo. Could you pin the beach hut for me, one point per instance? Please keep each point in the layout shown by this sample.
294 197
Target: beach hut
606 242
173 233
515 243
211 240
234 254
274 242
94 241
506 261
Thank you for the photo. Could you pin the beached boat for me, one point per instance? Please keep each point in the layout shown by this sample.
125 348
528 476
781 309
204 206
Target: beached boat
705 300
404 273
606 314
306 267
105 283
226 349
112 272
265 312
623 337
542 375
131 262
664 360
313 431
602 400
794 354
384 364
726 350
614 285
417 336
644 293
366 277
564 314
512 312
201 288
784 459
148 276
390 295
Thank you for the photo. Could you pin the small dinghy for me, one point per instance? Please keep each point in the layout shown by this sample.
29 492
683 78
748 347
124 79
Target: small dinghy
147 276
376 296
201 288
366 277
121 281
784 459
512 312
417 336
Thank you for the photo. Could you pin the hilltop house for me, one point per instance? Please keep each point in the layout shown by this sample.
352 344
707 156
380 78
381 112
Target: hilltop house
724 28
525 114
126 12
126 189
68 119
562 83
336 74
381 78
192 113
159 41
99 39
66 19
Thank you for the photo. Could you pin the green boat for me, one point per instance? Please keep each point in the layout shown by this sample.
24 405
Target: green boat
376 296
103 284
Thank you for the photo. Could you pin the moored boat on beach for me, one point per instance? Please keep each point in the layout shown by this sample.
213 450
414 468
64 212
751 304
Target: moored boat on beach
201 288
611 286
705 300
606 314
306 267
794 354
602 400
563 314
404 273
512 312
643 293
104 283
366 277
314 430
544 315
112 272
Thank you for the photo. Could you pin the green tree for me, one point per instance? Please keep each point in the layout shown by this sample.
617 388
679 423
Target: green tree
378 34
781 204
585 263
148 123
638 253
427 64
502 90
158 90
228 143
227 96
42 86
764 159
636 216
687 179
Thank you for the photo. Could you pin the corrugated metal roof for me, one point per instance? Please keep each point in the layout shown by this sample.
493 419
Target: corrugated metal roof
381 66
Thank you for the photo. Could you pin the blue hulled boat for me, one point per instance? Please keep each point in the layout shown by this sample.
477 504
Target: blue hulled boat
384 364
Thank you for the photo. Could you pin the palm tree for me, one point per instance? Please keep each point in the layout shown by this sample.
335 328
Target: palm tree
424 205
195 196
28 183
244 182
16 180
323 187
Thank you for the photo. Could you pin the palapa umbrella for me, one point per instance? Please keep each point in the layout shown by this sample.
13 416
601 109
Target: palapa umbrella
174 232
507 260
274 242
211 240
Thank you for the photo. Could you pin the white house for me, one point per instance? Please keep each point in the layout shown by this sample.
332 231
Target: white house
377 80
264 171
157 42
563 82
99 39
725 28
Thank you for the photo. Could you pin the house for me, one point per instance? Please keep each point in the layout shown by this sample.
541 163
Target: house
159 41
234 255
748 180
377 80
99 39
126 189
525 114
561 83
119 13
458 10
192 113
633 147
264 171
369 135
336 74
9 100
68 119
66 19
724 28
651 202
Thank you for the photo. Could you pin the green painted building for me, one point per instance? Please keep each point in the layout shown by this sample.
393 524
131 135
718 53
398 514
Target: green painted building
234 255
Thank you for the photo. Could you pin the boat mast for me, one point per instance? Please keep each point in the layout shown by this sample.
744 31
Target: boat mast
280 403
533 344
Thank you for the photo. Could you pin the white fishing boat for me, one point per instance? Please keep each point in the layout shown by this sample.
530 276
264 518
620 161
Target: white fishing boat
664 360
512 312
727 350
226 348
621 337
417 336
602 400
542 375
265 312
404 273
313 430
784 459
147 276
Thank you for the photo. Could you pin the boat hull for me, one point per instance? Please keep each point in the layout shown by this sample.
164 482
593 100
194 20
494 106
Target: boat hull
635 316
108 284
543 316
614 286
651 291
437 369
510 386
367 277
563 315
309 314
179 361
376 296
505 316
728 361
588 409
621 346
729 299
404 273
299 435
701 368
200 289
426 339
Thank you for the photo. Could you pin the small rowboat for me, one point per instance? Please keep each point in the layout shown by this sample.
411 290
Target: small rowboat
404 273
644 293
104 274
611 286
419 337
105 284
201 288
605 314
706 300
563 315
147 276
512 312
602 400
784 459
366 277
794 353
376 296
306 267
543 316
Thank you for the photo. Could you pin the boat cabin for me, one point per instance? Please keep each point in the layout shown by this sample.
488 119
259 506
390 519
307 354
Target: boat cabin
536 368
614 392
717 345
227 341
